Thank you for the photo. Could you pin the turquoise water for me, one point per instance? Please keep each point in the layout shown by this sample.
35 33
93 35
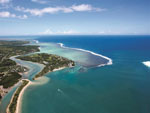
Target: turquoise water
7 98
123 87
34 69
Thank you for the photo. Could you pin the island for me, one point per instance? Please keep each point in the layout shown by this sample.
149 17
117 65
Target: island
11 72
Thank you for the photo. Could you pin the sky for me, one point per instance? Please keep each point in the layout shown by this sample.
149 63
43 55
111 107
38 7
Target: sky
66 17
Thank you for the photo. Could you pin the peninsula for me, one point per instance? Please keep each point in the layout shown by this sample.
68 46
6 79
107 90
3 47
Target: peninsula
50 61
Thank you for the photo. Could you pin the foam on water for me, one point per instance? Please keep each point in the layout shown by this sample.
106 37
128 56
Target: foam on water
146 63
36 41
109 60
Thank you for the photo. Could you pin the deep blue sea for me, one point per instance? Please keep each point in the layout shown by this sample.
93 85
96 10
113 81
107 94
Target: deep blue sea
123 87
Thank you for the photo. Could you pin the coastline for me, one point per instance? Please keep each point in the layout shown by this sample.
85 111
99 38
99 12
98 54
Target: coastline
19 100
57 69
18 103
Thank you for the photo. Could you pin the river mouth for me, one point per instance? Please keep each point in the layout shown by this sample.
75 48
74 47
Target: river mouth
34 68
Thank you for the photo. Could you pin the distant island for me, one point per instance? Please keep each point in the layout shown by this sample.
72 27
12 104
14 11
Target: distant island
11 72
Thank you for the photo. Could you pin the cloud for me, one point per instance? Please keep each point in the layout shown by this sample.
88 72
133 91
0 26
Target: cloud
84 7
46 32
50 32
6 14
52 10
39 1
68 32
5 4
4 1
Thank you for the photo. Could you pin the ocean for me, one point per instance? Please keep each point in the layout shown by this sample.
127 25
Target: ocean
120 87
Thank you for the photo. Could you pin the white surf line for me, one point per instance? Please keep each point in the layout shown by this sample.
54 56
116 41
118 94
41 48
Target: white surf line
36 41
39 48
146 63
109 60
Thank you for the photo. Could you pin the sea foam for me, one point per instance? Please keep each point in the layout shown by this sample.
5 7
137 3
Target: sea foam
36 41
109 60
146 63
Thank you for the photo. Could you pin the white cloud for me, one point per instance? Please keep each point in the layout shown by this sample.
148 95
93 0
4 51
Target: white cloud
39 1
108 32
46 32
86 7
82 7
101 32
4 1
6 14
50 32
68 32
22 16
52 10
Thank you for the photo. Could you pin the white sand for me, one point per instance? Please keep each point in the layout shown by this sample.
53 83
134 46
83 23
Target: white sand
59 69
18 106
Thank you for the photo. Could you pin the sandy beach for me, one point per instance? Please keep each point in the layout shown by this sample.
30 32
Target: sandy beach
59 69
19 100
18 107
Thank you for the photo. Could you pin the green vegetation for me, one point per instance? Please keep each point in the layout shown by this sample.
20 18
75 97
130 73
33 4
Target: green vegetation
13 104
12 43
10 79
50 61
9 70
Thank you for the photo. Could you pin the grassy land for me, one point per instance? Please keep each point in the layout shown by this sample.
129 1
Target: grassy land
50 61
13 104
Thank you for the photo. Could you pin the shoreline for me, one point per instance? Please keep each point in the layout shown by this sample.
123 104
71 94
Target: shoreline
57 69
19 98
19 101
